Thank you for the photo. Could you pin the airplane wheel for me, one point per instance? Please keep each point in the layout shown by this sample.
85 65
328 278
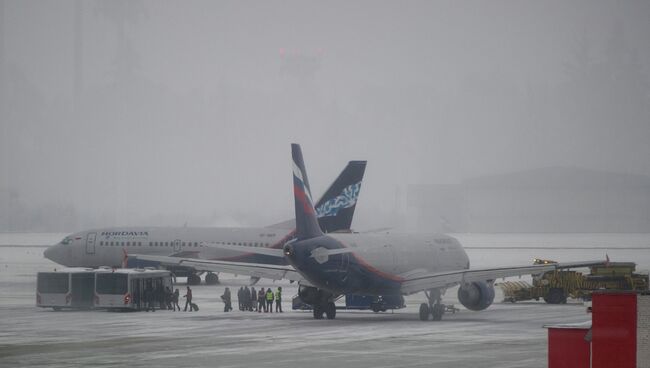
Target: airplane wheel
193 280
318 312
437 311
211 279
330 310
424 312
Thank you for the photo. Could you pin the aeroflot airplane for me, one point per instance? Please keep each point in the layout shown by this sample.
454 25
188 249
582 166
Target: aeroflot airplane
330 265
110 246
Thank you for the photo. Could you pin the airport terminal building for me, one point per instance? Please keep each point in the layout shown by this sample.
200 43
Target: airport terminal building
562 200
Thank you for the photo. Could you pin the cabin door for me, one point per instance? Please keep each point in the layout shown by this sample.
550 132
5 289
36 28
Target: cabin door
90 243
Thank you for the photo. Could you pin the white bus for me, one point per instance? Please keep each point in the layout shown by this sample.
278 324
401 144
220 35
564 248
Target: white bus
65 288
125 288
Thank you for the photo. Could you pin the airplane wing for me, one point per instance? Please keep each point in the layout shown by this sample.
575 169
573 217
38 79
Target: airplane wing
414 283
274 272
273 252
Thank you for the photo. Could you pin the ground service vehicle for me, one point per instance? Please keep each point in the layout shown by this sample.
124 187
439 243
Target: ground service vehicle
360 302
65 288
556 286
125 289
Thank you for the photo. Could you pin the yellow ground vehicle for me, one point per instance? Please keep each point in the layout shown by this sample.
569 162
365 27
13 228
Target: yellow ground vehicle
556 286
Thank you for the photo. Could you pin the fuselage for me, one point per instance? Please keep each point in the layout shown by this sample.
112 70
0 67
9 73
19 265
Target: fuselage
373 263
107 247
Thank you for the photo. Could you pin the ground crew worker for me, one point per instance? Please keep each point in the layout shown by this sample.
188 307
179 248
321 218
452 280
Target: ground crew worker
278 300
261 305
227 306
188 300
269 300
253 299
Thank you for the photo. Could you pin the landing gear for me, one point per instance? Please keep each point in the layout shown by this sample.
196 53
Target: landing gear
434 308
330 310
211 279
318 312
193 279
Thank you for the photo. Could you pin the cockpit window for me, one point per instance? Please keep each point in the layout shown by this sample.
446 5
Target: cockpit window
67 240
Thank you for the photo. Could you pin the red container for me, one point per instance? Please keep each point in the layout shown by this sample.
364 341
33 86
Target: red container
614 319
567 346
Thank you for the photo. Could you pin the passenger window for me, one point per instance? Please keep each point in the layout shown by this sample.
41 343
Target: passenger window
101 243
183 243
196 244
139 244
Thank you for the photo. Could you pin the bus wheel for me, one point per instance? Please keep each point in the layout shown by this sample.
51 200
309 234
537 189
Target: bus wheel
193 279
211 279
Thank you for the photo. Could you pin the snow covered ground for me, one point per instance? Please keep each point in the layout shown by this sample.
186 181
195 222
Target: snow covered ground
504 335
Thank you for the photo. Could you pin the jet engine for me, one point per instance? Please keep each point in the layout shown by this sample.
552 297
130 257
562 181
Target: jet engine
476 296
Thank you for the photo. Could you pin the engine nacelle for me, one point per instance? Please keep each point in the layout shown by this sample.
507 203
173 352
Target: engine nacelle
476 296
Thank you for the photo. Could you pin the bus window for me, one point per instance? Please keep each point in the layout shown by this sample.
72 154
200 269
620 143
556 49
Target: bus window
112 283
52 283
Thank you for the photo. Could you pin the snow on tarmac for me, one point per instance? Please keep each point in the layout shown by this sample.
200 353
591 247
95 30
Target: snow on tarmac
504 335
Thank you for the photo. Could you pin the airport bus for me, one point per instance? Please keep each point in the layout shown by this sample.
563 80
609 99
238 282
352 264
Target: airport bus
124 289
65 288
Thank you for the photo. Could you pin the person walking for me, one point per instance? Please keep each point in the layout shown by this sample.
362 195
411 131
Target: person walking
227 306
188 299
269 300
261 304
278 300
175 298
253 299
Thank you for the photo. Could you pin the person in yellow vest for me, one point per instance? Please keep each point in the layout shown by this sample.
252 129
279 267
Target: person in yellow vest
278 300
269 300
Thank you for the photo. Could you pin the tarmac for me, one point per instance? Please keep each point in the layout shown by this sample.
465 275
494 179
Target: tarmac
504 335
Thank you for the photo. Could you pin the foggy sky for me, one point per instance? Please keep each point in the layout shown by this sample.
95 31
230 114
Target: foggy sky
165 113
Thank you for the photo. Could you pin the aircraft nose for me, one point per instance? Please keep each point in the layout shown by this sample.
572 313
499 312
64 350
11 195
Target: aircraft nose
52 253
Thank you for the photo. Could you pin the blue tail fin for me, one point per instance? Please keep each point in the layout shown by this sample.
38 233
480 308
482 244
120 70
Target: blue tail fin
335 209
306 222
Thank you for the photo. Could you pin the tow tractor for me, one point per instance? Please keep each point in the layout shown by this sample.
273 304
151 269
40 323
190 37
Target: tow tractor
554 287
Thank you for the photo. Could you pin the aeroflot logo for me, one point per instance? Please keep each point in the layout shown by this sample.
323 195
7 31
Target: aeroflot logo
346 199
125 233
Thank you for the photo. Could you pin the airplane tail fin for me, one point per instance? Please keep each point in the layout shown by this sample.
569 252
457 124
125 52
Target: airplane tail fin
306 222
335 209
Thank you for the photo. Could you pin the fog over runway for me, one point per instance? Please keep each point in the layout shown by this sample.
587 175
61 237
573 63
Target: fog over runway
504 335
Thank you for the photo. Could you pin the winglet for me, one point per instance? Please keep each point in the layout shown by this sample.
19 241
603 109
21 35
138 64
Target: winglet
306 222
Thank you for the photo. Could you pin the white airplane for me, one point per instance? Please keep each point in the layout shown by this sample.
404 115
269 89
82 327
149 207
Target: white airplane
330 265
110 246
